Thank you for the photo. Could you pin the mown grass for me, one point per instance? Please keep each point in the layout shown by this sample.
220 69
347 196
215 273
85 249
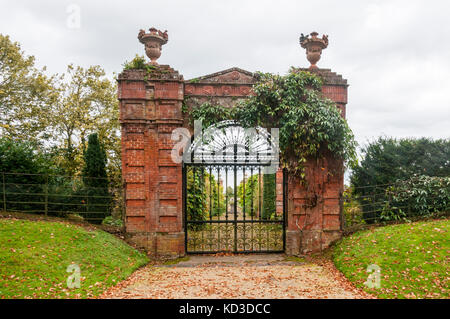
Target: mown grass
413 259
34 256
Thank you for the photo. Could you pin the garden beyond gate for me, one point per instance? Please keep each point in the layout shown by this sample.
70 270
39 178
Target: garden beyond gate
230 192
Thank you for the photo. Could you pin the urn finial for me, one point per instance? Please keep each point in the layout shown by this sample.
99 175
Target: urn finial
314 47
153 42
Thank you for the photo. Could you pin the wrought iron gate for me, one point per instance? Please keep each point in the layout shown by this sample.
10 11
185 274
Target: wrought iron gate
229 194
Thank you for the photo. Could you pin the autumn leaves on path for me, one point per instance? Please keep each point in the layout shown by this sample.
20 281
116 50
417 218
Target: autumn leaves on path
250 276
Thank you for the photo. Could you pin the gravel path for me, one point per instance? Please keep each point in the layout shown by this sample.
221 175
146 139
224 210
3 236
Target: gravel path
257 276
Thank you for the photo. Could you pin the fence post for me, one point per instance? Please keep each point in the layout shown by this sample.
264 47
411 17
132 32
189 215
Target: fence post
46 195
4 193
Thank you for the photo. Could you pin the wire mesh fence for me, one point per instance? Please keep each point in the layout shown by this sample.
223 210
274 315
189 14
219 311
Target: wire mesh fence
420 198
60 196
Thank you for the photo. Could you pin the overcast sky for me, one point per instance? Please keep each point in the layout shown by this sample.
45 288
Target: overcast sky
395 54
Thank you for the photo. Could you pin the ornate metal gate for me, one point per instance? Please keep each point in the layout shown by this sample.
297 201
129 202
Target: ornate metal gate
229 192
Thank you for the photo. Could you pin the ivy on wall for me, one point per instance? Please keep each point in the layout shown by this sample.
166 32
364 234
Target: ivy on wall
310 125
209 113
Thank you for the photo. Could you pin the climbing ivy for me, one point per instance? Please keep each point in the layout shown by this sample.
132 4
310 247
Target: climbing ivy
311 126
209 113
196 204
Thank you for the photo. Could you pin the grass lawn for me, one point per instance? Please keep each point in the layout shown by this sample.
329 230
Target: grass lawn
34 256
413 259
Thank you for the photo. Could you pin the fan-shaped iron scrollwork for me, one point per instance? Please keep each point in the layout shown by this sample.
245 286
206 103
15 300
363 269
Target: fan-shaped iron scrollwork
229 143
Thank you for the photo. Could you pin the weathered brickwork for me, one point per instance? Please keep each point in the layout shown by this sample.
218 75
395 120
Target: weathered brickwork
314 207
150 109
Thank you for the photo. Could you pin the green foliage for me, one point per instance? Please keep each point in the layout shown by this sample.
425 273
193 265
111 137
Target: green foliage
33 183
64 196
138 63
95 163
35 256
353 213
195 80
251 196
95 181
210 114
23 157
111 221
418 196
413 259
310 125
22 165
58 112
205 196
196 197
215 196
25 94
388 160
87 103
269 196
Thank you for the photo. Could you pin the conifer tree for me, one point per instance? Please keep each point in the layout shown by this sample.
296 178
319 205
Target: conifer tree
95 181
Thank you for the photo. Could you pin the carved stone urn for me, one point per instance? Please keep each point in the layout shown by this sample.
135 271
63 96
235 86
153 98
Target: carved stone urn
153 42
314 47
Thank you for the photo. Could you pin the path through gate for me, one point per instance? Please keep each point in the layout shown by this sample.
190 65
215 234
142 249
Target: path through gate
229 192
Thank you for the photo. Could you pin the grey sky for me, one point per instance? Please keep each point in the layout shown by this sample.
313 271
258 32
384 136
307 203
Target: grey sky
395 54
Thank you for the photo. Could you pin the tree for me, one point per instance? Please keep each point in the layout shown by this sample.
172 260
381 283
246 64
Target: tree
86 103
215 196
388 160
23 169
251 195
62 111
95 181
23 157
269 195
26 94
196 204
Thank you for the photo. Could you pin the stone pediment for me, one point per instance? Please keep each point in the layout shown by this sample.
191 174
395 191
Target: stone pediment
232 75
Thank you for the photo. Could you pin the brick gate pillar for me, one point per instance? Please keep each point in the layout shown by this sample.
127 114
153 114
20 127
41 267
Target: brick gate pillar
314 207
150 109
